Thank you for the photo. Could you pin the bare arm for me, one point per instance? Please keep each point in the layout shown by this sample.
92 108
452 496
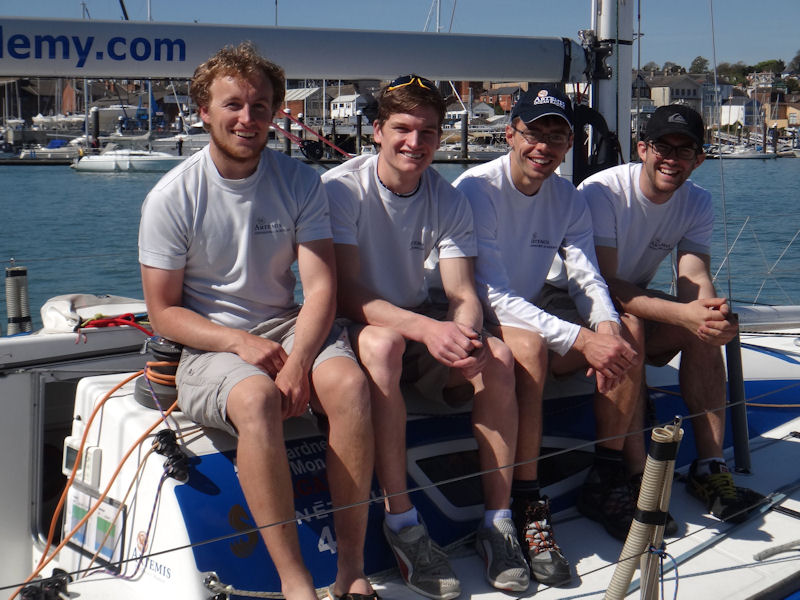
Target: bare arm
315 262
464 310
708 316
362 305
693 309
633 299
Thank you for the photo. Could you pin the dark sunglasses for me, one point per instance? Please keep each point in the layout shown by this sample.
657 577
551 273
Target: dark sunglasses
410 79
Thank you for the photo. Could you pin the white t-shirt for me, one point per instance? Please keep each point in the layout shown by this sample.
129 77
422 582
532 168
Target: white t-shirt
235 239
396 234
644 232
518 236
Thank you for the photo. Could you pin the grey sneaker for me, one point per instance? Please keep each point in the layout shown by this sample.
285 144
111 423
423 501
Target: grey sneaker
548 565
423 565
506 568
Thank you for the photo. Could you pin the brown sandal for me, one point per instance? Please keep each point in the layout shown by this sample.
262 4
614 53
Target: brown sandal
352 596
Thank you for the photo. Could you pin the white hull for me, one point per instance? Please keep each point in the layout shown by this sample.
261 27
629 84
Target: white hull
42 152
748 155
128 160
37 415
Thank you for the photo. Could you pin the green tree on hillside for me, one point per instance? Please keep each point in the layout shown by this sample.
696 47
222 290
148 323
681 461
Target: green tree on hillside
673 68
794 64
733 73
775 66
699 65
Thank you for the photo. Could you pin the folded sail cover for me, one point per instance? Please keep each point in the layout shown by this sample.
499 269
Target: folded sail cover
86 48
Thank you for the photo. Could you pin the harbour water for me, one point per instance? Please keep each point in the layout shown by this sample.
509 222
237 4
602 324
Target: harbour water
76 232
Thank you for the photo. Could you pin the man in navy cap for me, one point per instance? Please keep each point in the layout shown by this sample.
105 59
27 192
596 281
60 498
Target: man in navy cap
524 216
641 212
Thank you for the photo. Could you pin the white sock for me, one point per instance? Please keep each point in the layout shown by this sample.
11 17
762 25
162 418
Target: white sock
490 516
399 521
704 465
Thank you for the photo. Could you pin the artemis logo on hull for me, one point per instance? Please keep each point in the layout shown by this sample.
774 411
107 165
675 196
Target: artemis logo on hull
22 46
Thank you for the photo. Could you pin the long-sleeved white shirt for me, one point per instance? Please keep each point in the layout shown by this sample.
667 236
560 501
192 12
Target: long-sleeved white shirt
518 237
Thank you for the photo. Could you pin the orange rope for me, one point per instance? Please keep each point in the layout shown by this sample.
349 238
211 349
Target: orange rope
162 378
60 506
44 561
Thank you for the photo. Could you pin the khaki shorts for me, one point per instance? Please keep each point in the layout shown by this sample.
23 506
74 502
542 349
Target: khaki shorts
205 379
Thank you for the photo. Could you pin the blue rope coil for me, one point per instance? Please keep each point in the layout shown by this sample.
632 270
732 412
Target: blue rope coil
662 555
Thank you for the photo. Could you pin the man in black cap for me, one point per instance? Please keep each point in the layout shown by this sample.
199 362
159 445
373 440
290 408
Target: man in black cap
641 212
524 216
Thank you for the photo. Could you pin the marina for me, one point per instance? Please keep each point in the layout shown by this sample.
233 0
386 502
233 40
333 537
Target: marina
151 502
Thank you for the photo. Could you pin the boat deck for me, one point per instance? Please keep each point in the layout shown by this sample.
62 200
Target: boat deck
715 559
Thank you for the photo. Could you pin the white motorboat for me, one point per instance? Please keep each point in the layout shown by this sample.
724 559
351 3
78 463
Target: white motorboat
127 159
55 149
743 152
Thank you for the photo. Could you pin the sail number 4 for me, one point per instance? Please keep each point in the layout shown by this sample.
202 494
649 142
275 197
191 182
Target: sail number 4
327 542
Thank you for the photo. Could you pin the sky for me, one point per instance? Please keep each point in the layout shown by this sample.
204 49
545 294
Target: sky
750 31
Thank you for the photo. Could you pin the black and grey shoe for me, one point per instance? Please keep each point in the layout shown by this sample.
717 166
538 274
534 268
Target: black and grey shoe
608 499
722 498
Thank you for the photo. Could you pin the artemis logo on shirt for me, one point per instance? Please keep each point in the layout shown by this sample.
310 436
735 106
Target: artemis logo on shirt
657 244
416 245
537 242
262 226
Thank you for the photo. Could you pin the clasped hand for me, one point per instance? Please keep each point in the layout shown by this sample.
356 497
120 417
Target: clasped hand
711 320
457 346
609 357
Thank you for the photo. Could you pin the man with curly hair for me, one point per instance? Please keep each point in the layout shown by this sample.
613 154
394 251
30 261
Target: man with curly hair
217 240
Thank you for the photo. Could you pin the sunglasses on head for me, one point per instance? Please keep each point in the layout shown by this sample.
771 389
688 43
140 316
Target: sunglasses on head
411 79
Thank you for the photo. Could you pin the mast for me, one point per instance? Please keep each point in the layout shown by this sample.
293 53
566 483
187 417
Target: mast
613 24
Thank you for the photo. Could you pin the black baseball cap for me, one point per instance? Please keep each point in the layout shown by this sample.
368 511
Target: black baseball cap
541 101
675 118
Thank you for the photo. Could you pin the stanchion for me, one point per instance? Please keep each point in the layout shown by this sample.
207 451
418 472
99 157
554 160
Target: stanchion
359 115
738 409
464 135
287 125
17 307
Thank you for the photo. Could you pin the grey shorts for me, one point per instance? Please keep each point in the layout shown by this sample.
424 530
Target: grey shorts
205 379
425 382
559 303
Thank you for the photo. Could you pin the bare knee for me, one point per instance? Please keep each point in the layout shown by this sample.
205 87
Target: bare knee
342 389
254 406
380 348
498 375
529 350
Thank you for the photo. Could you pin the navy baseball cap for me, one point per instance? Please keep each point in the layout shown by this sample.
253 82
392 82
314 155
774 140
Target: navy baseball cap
541 101
675 118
